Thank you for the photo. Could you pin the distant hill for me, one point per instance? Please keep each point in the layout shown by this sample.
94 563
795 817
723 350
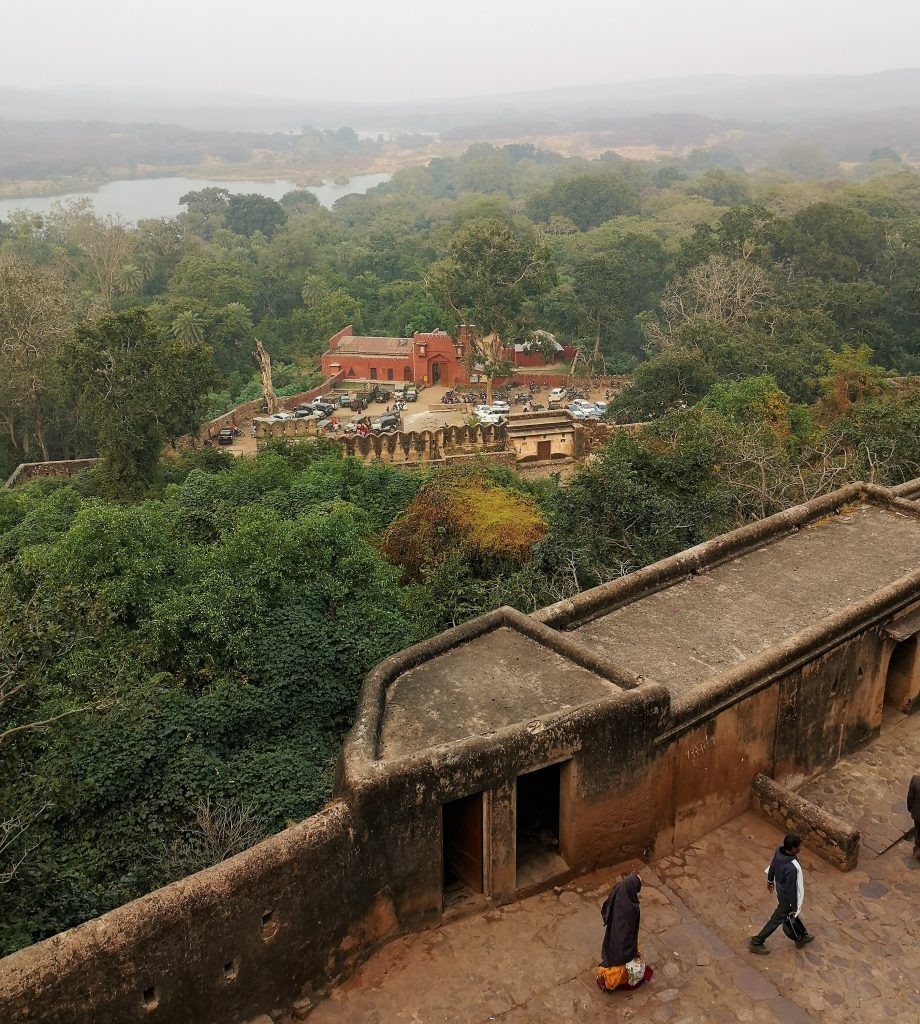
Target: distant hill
762 97
774 98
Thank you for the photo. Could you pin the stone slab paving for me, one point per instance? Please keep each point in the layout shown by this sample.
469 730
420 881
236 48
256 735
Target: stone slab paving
864 965
869 789
533 962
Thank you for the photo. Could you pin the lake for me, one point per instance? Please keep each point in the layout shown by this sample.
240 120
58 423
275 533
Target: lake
140 198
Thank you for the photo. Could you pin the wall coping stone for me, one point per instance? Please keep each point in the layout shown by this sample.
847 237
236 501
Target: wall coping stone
831 839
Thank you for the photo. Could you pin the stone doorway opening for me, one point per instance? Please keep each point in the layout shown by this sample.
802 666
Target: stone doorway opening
901 684
544 450
537 811
463 840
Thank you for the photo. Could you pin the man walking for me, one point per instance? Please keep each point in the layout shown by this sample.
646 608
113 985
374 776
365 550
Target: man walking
785 878
913 806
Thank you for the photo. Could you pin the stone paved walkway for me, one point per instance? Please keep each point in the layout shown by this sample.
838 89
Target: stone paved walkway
532 962
869 789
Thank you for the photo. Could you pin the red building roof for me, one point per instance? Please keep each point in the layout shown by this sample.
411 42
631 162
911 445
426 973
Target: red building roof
363 346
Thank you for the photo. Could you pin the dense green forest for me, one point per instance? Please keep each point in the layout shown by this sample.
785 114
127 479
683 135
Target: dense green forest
182 637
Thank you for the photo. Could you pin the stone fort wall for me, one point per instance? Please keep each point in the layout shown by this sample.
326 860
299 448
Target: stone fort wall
413 447
644 772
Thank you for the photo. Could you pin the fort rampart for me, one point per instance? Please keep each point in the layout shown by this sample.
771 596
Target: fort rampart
26 472
643 769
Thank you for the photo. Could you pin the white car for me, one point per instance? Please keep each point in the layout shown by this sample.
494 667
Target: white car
482 410
282 416
493 418
557 394
576 412
583 403
601 407
501 408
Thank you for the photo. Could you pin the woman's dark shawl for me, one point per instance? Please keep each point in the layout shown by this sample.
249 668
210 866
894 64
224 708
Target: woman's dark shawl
621 921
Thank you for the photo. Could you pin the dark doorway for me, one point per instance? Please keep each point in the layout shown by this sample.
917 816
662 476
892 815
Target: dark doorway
544 450
463 849
436 373
899 681
537 827
407 373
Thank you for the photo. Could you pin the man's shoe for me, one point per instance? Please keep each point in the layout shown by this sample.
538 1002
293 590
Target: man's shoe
804 942
758 947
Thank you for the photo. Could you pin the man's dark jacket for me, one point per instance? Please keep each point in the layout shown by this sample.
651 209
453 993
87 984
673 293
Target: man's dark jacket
785 877
913 798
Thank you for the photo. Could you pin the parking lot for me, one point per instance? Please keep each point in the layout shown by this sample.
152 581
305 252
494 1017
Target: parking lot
429 412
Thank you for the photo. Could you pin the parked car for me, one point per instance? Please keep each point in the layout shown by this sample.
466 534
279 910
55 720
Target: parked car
411 393
387 421
557 395
226 435
345 400
576 412
500 407
283 415
320 405
482 410
493 418
601 407
583 403
363 421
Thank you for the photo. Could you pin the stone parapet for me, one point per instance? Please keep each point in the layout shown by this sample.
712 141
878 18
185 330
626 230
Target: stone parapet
26 472
831 839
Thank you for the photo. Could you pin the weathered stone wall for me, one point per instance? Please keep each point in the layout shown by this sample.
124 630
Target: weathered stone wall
219 946
25 472
644 771
397 448
833 840
247 411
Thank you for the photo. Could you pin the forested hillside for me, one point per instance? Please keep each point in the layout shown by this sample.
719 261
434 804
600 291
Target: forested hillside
182 637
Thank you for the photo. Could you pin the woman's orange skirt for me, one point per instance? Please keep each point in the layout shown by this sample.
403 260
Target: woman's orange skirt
611 978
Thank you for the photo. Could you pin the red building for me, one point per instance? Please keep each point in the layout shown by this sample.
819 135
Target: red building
430 358
427 358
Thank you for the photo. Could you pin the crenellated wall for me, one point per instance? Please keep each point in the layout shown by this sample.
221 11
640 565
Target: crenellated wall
397 448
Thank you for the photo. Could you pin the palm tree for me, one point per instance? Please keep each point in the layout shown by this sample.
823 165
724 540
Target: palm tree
131 279
314 288
188 328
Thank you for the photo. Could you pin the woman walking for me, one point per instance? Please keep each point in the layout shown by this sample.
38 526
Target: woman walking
621 962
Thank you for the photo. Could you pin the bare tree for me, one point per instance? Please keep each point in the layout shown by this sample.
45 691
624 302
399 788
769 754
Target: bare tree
221 829
265 368
37 314
727 291
105 242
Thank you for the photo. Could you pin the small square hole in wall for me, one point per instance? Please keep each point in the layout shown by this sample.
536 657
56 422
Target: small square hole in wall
151 999
231 970
269 925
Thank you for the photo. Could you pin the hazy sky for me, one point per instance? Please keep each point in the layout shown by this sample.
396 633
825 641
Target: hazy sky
391 49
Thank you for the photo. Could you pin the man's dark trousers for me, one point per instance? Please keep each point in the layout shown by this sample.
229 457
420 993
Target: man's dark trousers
783 910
